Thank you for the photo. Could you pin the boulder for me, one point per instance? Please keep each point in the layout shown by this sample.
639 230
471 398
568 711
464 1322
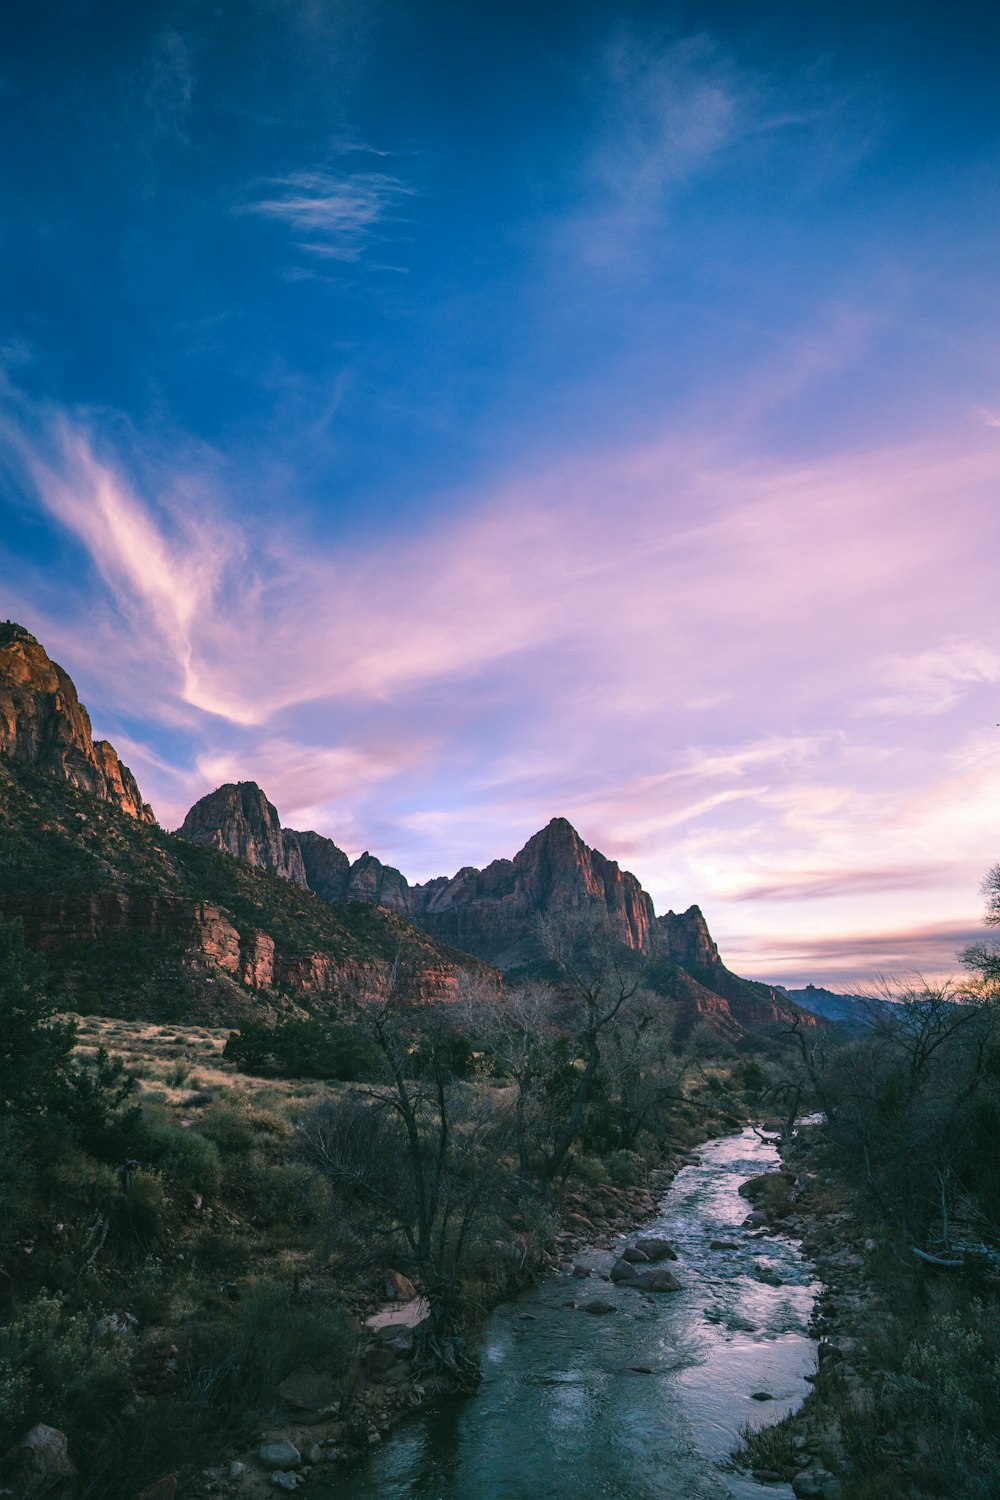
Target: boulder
635 1255
285 1479
654 1248
622 1270
398 1337
399 1288
308 1389
597 1306
279 1453
656 1279
40 1465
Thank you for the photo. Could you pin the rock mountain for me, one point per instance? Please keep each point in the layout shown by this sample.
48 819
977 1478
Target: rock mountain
235 913
493 913
490 912
44 724
136 921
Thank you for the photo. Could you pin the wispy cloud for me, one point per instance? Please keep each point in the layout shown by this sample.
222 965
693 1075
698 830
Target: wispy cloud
932 682
336 213
855 960
654 642
668 111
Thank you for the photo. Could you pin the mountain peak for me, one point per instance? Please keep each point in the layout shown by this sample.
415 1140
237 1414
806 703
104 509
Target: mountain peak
44 724
10 632
238 817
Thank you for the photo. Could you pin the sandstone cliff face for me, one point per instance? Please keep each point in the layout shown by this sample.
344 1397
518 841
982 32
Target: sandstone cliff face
684 939
44 724
238 817
328 869
492 912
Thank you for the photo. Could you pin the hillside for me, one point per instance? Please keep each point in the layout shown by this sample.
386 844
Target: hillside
136 921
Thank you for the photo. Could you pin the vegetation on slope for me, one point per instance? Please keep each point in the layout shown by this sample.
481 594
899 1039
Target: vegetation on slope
180 1237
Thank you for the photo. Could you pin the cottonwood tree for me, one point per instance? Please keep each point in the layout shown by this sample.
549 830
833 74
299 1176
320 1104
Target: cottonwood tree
418 1151
644 1070
600 977
917 1105
518 1031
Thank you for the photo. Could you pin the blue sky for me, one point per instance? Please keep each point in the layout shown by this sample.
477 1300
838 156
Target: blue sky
453 416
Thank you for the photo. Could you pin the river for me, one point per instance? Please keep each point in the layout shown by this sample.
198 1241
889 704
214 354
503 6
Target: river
563 1414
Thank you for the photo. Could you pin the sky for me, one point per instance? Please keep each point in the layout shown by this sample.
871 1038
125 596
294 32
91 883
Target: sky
456 416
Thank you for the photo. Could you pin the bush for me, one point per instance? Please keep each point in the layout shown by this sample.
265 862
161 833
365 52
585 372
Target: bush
948 1393
51 1370
235 1366
303 1048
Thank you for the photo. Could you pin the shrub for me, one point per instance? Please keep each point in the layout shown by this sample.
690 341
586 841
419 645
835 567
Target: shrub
303 1048
52 1371
948 1392
228 1126
235 1366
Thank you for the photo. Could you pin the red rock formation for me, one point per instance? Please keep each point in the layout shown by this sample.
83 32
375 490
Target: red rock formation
44 724
238 817
493 912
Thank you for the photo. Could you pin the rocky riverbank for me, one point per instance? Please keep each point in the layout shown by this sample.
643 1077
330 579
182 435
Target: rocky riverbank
330 1420
812 1447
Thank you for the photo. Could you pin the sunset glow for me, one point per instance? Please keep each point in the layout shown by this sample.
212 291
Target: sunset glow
452 419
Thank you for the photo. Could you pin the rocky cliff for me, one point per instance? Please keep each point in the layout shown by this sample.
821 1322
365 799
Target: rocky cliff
494 911
238 817
139 922
44 724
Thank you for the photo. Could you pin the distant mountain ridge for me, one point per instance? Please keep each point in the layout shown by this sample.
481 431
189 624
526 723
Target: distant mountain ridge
493 913
849 1010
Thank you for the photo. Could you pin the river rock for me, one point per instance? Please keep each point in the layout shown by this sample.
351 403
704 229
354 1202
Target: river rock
622 1270
655 1248
656 1279
635 1255
723 1245
308 1389
399 1288
280 1453
597 1305
817 1484
285 1479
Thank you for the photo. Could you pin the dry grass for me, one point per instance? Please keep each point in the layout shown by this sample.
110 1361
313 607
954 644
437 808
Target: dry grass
183 1067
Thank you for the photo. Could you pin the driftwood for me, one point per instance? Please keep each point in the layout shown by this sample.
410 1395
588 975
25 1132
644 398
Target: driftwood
937 1260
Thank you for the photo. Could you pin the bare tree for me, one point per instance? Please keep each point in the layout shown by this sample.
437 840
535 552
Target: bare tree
418 1151
600 976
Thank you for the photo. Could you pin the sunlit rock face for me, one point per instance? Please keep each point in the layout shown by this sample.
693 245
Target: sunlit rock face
494 912
238 817
44 724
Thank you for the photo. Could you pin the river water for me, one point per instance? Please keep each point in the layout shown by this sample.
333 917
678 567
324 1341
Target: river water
561 1413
